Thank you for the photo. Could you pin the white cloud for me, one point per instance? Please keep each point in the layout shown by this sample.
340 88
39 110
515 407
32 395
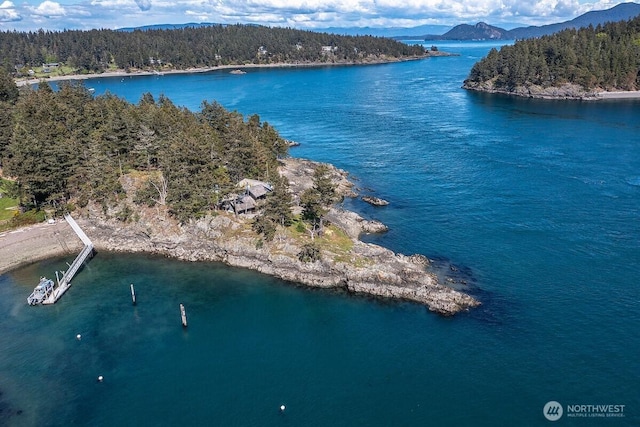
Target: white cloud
112 3
8 12
293 13
49 9
198 16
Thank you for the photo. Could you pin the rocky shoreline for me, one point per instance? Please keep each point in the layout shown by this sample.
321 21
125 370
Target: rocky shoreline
352 265
567 91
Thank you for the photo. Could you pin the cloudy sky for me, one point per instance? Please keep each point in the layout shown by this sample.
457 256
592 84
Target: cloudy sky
26 15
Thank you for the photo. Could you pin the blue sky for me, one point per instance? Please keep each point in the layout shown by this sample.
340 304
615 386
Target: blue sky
26 15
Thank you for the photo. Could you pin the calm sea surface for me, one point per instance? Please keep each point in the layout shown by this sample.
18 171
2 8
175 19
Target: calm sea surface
537 202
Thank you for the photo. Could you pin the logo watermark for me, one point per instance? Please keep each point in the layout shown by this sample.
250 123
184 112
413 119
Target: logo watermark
553 411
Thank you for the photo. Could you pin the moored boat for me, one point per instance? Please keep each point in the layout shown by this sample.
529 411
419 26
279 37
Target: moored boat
41 291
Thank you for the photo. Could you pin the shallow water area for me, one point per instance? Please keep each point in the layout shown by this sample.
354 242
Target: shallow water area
252 344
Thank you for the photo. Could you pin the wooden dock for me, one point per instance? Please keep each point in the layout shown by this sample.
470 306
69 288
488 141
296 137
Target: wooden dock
87 252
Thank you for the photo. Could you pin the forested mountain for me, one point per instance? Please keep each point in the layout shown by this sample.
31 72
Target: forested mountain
483 31
621 12
69 145
602 58
480 31
99 50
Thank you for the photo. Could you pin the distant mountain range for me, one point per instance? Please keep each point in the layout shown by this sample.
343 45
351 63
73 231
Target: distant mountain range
479 31
391 32
483 31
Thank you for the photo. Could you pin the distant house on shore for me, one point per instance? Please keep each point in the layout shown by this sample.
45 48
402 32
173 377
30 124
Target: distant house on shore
48 67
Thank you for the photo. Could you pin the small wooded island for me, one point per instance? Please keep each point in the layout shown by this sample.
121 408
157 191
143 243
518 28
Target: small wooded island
587 63
199 186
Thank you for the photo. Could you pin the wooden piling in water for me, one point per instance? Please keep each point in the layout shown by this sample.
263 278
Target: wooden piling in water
183 315
133 295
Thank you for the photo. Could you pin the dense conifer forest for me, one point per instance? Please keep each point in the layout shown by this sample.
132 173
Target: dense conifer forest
99 50
70 145
604 58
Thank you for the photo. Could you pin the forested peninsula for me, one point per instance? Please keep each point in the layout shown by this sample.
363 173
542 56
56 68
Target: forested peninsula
586 63
43 53
199 186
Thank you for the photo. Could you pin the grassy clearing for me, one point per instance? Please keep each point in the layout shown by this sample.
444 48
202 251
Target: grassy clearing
334 241
8 206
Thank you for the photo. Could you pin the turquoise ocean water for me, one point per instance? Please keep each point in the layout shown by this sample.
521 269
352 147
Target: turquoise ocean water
536 202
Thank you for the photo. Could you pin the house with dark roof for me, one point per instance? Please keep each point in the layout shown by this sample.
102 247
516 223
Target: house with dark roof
244 204
246 201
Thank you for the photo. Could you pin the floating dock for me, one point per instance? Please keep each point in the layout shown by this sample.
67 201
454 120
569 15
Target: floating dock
87 252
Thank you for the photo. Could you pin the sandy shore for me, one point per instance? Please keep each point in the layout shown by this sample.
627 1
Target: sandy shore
123 73
35 243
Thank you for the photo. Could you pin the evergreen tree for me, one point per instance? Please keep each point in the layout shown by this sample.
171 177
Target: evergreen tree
8 88
8 97
279 202
316 200
276 210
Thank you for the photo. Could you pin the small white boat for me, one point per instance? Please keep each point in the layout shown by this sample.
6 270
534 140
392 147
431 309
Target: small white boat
41 292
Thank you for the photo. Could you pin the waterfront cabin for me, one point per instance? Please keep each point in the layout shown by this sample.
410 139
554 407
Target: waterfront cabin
255 188
244 204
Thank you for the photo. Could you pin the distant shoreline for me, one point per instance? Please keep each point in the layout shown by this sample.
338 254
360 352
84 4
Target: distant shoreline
23 81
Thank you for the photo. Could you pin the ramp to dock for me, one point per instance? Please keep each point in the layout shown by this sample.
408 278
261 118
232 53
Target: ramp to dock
72 222
87 252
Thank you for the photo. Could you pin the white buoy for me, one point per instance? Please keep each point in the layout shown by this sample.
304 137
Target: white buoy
282 408
100 378
78 337
133 294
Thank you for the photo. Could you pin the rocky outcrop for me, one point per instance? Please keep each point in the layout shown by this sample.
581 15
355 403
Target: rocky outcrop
299 172
353 224
345 261
366 268
565 91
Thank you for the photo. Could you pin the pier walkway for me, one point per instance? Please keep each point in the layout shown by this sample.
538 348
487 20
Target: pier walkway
87 252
